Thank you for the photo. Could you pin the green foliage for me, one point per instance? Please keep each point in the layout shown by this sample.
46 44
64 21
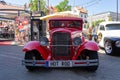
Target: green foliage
95 23
34 5
63 6
87 25
110 18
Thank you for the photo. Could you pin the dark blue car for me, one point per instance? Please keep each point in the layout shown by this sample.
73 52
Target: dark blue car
112 45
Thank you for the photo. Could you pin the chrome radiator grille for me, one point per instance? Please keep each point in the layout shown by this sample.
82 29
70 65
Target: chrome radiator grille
61 39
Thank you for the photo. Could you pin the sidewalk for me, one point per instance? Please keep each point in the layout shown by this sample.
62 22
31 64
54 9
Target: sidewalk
4 41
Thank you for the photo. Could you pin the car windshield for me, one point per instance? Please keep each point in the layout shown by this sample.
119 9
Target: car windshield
75 24
58 23
113 27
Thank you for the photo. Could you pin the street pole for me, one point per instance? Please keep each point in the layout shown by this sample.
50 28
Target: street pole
117 10
48 3
48 7
39 5
39 10
18 13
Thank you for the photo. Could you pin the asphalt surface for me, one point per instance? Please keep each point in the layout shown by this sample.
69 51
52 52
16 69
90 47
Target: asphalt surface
11 68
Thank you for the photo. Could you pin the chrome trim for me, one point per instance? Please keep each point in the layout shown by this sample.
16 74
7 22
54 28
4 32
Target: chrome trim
94 62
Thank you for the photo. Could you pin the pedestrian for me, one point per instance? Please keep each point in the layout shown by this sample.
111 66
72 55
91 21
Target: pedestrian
89 33
21 33
26 33
11 31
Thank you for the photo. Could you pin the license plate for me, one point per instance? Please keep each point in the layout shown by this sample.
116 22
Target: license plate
59 63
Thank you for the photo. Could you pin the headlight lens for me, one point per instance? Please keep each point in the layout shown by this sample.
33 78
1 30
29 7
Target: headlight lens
77 41
44 41
117 43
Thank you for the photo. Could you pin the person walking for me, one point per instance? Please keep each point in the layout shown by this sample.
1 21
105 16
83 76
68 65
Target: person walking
21 33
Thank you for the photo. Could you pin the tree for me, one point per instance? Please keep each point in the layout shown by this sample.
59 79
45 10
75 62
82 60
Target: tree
87 25
95 23
34 5
63 6
110 18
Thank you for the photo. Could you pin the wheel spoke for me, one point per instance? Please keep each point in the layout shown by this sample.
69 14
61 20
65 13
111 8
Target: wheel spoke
108 47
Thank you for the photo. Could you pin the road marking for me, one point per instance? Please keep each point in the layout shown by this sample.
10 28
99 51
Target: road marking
11 53
13 57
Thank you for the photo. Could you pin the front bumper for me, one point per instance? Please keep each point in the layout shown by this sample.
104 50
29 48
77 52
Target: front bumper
60 63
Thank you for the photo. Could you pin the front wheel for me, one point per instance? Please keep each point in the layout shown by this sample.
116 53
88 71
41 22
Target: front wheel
87 54
93 55
32 55
109 49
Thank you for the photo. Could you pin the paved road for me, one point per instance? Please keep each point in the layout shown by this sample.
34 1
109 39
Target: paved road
11 68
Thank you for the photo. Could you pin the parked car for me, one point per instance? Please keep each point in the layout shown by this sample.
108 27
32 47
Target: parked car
112 45
108 37
66 47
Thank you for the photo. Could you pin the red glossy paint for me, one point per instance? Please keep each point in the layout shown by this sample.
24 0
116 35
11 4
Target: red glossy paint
89 45
75 51
35 45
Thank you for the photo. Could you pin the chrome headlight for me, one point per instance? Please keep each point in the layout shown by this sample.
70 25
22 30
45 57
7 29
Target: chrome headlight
44 41
77 41
117 43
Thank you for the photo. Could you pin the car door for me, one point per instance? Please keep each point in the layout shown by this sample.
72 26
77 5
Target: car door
101 34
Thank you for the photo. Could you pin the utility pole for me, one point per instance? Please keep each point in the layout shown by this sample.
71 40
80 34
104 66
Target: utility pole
48 7
48 3
117 9
39 5
18 13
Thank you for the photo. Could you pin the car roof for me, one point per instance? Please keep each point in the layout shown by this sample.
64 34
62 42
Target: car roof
109 22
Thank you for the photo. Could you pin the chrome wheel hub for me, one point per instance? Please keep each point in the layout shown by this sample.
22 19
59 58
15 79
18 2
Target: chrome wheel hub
108 47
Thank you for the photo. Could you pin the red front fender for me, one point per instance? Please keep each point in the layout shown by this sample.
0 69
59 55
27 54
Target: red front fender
35 45
89 45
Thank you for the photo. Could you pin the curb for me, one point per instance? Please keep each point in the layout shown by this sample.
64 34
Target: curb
13 43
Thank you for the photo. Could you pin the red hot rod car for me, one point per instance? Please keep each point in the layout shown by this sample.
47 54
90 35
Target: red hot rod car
65 47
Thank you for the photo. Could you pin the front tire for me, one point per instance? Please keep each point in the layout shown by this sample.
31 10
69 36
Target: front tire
109 49
32 55
90 55
93 55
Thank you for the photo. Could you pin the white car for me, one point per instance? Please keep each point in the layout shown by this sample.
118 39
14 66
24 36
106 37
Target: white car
109 29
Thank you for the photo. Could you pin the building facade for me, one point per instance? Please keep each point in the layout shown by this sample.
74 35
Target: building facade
106 16
82 13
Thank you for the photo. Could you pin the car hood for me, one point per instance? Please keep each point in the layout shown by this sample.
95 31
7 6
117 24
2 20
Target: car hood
112 33
113 38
